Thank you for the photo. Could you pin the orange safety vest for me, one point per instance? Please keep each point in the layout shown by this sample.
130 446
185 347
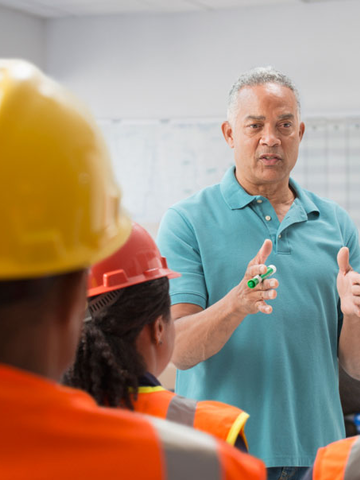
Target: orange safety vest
338 461
54 432
224 421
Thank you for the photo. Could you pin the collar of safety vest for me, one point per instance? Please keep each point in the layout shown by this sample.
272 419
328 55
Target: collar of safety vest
237 198
148 380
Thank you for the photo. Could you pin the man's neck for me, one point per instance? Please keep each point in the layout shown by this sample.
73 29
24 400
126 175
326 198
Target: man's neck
31 346
280 195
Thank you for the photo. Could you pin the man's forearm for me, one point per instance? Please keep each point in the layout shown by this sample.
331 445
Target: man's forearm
201 335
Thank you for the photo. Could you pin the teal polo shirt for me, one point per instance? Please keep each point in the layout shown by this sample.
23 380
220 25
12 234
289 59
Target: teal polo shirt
280 368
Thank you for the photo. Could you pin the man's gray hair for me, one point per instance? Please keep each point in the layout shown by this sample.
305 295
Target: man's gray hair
258 76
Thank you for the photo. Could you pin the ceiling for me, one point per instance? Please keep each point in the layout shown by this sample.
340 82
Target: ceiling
65 8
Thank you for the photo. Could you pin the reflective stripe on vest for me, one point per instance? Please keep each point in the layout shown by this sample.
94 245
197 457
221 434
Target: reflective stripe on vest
338 461
189 454
224 421
352 471
182 410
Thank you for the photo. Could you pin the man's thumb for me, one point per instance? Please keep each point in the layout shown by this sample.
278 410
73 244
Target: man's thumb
343 260
264 251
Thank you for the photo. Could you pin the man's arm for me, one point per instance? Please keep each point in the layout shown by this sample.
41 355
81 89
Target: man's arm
200 334
348 284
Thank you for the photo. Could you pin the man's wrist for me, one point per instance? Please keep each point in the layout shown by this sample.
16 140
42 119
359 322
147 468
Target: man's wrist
233 311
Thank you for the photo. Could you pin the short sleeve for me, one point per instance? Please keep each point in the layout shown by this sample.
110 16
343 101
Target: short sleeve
178 243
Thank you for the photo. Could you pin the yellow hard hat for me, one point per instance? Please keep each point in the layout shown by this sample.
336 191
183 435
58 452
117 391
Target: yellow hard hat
60 204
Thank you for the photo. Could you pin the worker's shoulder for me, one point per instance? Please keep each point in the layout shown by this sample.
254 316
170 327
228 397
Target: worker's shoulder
208 456
328 208
337 454
185 450
199 201
324 208
319 201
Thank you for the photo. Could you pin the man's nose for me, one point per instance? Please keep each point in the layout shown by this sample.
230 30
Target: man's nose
269 137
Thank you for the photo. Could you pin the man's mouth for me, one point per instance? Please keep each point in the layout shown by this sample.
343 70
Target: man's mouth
270 159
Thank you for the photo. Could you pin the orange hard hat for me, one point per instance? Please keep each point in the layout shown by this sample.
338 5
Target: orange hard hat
137 261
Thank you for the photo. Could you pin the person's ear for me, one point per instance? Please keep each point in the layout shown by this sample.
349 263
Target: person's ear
68 316
227 131
158 329
301 130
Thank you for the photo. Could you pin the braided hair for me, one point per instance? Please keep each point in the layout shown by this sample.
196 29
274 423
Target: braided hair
107 363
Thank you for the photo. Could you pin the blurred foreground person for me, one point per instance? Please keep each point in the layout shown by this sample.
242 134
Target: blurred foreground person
60 214
129 338
338 461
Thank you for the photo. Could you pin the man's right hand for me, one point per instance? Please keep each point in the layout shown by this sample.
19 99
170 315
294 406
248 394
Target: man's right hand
200 334
247 300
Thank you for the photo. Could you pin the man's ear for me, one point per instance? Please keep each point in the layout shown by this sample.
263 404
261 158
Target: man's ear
69 303
301 130
227 131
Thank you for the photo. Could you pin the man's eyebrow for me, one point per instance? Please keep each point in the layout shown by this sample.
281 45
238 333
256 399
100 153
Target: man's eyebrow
286 116
255 117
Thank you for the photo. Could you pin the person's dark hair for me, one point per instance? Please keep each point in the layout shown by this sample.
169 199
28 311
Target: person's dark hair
107 363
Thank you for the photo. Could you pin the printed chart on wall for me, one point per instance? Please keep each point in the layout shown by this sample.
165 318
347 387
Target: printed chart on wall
158 163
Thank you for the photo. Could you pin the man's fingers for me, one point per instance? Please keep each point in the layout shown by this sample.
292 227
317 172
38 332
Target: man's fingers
343 260
263 253
266 294
356 301
269 283
265 250
264 307
266 284
269 294
355 290
254 270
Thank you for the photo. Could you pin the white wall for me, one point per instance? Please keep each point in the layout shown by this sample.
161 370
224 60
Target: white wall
166 66
22 36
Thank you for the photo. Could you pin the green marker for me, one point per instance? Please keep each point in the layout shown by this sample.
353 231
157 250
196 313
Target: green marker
259 278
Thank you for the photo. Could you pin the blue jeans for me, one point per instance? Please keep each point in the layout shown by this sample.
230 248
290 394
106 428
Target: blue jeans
286 473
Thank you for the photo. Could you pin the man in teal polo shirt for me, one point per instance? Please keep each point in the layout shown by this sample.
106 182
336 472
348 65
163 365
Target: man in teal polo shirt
281 368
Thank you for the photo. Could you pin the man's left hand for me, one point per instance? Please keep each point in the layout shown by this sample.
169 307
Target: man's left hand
348 284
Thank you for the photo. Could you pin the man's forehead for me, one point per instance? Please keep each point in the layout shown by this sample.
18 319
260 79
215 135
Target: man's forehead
269 88
253 99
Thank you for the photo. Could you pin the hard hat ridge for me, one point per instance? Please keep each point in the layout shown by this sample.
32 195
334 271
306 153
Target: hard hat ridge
137 261
60 205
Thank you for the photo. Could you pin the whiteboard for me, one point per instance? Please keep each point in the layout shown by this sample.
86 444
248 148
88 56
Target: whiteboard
160 162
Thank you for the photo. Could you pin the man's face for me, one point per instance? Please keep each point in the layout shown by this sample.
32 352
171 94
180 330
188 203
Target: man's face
265 134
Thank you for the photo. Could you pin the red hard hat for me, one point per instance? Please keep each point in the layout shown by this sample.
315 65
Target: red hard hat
137 261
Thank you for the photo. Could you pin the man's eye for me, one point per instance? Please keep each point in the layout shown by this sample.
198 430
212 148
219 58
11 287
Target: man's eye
286 125
254 125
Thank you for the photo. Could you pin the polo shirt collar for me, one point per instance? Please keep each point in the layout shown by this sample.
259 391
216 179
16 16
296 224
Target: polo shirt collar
236 197
233 193
304 198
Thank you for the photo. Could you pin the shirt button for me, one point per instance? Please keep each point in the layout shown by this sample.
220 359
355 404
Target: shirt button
259 200
268 218
280 235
